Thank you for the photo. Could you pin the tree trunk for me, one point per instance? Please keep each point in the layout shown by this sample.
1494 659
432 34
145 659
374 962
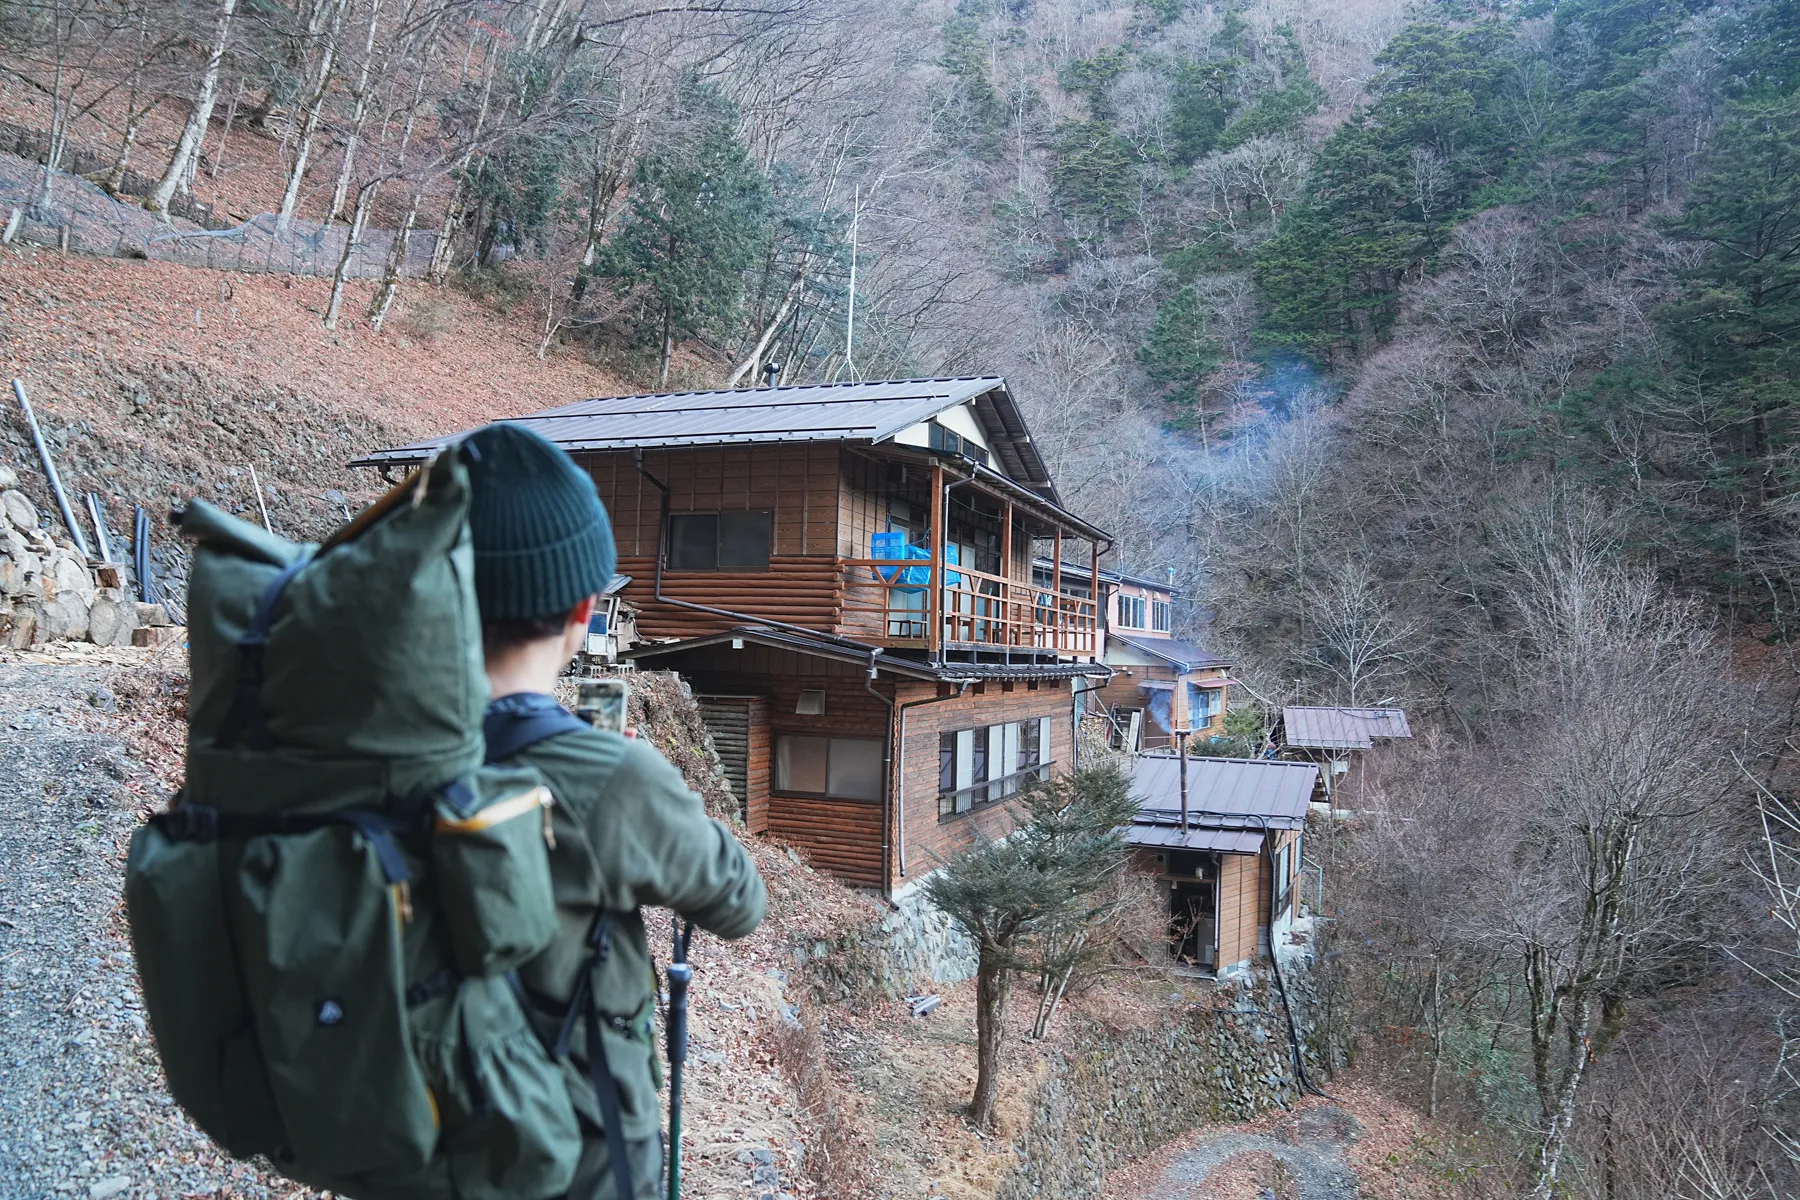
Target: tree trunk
668 347
1562 1112
396 262
309 121
195 129
359 114
990 1019
365 200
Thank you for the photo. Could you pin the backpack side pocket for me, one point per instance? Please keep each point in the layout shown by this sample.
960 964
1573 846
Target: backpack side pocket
510 1129
493 873
193 994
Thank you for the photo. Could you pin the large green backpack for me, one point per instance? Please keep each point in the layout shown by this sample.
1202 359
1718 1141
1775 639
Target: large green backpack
326 920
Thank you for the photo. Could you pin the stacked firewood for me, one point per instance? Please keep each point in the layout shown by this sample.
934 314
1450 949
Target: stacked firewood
49 592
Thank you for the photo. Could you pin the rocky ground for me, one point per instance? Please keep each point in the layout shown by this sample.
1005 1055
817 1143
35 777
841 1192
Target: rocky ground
82 1109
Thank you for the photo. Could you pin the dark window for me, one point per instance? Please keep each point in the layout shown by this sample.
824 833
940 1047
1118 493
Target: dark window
951 442
838 768
1131 612
744 539
946 763
1159 615
729 541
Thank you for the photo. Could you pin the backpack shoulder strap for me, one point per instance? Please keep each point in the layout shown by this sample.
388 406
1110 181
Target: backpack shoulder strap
518 722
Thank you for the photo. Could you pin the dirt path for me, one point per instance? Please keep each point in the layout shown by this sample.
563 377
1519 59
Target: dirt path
1310 1149
1359 1144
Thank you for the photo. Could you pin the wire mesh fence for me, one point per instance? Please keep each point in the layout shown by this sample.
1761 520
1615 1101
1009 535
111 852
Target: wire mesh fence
80 216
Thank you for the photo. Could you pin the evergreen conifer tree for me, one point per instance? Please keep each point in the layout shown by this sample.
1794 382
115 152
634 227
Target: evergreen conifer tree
697 220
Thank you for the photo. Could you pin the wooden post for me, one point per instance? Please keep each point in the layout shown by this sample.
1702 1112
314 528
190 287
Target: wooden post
935 600
1006 589
1094 578
1056 596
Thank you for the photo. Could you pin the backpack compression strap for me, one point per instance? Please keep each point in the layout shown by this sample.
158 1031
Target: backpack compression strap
520 721
247 718
606 1088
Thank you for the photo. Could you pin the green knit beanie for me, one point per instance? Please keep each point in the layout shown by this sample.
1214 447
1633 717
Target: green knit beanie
542 539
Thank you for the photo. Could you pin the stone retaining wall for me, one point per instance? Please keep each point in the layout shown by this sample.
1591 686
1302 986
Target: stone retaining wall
1115 1097
912 949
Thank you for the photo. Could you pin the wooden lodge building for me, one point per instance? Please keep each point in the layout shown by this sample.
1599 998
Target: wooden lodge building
1159 683
844 574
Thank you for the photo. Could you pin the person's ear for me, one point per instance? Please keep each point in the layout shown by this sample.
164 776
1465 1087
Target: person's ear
575 628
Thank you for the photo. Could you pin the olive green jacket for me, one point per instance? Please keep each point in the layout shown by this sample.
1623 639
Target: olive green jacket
630 834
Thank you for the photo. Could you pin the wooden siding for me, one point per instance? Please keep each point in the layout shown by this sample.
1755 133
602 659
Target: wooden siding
1240 906
841 838
1245 884
1122 691
798 591
930 841
798 483
740 729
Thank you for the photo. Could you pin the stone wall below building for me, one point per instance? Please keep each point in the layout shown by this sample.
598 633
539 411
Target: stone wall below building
1112 1097
912 948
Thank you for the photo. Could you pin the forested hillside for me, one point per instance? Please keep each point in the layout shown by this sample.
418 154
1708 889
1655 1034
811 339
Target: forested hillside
1444 352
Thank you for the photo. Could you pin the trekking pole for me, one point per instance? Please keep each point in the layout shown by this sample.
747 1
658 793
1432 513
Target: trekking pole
680 975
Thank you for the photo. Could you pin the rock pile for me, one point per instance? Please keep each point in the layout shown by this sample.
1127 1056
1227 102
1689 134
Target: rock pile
48 592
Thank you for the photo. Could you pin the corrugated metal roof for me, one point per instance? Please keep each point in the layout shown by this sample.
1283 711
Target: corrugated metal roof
1222 792
1182 655
1224 841
831 412
1338 728
1168 685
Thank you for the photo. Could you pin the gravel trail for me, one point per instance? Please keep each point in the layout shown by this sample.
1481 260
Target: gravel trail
83 1111
1310 1146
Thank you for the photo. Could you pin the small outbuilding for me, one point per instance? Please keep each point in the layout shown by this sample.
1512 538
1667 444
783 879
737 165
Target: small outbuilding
1227 844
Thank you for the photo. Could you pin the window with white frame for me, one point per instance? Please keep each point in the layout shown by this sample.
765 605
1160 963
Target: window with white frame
990 762
1131 612
833 768
1159 615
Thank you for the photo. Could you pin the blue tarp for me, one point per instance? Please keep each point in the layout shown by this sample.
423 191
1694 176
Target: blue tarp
893 546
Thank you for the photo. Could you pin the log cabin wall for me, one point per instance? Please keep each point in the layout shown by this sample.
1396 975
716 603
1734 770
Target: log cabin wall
840 837
797 483
930 839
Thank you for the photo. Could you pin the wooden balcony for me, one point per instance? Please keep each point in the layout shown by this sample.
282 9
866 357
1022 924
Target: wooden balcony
886 603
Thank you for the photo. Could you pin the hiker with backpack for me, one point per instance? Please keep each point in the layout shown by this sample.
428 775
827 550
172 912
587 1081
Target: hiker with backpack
389 933
629 832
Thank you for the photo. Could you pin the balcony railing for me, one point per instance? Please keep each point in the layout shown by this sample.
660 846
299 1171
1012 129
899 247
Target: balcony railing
889 602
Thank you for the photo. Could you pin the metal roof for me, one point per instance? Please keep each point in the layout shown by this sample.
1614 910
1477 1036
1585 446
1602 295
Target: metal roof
1183 656
1337 728
1224 793
845 650
819 412
1224 841
1168 685
1107 575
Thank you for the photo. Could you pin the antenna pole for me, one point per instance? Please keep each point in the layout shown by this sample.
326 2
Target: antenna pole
850 310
